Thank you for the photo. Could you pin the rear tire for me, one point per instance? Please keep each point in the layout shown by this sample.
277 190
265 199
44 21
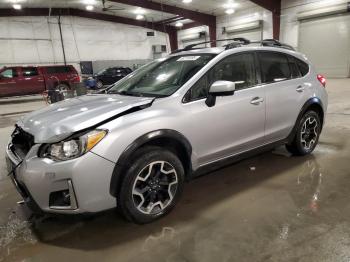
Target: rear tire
64 90
152 185
307 134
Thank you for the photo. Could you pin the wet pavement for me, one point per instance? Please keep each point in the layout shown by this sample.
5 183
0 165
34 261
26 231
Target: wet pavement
272 207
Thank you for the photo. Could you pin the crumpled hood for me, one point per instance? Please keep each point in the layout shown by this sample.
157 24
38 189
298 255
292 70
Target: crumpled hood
58 121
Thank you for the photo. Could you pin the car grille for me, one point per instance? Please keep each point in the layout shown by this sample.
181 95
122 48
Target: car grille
22 142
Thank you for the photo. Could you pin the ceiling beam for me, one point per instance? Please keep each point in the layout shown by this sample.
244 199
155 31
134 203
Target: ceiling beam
4 12
170 20
190 25
275 7
205 19
271 5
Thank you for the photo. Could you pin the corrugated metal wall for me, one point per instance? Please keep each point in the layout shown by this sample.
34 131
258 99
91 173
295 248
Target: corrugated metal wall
35 40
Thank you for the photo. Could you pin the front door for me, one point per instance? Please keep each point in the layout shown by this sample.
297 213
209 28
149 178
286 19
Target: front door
236 123
8 82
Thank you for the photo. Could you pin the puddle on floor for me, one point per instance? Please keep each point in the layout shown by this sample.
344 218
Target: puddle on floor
14 233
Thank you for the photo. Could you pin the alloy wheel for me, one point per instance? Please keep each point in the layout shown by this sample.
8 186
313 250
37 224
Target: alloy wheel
309 133
155 187
99 84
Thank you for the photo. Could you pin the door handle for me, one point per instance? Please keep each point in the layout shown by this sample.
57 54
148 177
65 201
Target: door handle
300 89
257 100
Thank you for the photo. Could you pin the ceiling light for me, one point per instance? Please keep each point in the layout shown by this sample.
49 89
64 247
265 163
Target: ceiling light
17 6
230 5
89 7
140 17
230 11
179 24
89 2
186 1
140 11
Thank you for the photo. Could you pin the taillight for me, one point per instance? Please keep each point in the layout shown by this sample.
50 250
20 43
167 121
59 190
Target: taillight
76 78
322 80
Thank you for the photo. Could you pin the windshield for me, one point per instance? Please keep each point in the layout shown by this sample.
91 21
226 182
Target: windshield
101 71
161 78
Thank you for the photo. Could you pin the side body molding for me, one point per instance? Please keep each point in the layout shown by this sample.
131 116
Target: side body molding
124 160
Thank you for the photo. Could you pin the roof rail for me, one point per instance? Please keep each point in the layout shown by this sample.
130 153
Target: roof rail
237 42
275 43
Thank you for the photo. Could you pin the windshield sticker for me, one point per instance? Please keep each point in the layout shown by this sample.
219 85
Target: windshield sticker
188 58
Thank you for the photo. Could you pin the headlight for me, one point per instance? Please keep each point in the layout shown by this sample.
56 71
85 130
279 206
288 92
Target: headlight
75 147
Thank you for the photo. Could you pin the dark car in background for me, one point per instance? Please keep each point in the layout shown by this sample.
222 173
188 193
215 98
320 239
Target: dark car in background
27 80
110 75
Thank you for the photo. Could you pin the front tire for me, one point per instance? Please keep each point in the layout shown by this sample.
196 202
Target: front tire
307 134
152 185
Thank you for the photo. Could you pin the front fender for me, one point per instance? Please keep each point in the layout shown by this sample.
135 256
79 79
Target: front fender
125 158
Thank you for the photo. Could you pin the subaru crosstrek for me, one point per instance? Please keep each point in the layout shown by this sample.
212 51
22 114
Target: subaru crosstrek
172 119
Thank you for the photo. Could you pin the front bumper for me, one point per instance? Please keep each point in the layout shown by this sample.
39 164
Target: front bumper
87 179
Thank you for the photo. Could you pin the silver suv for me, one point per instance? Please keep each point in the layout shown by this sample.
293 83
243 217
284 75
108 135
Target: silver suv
175 118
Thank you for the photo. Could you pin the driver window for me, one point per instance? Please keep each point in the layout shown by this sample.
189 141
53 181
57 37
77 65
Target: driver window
9 73
238 68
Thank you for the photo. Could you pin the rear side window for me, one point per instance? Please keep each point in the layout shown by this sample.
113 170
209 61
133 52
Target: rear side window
58 69
9 73
30 71
274 67
303 67
293 67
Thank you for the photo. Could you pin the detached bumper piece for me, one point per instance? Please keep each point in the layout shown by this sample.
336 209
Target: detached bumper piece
23 191
64 199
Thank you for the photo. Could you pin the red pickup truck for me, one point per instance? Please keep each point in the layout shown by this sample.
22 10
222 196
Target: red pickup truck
20 80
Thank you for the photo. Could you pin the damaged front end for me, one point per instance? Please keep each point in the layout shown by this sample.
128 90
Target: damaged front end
49 158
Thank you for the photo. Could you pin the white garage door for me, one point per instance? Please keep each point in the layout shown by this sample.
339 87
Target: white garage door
326 42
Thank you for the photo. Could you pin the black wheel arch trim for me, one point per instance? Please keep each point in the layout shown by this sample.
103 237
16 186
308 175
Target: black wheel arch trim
124 159
312 101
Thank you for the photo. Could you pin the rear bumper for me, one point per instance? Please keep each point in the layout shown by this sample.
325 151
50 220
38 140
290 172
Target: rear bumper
87 179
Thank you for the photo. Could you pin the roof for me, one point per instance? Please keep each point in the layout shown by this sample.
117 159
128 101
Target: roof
254 46
209 50
231 44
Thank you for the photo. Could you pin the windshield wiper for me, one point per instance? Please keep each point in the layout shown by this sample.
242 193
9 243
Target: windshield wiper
125 93
138 94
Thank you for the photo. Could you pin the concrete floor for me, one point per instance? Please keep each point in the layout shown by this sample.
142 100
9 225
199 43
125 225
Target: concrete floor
269 208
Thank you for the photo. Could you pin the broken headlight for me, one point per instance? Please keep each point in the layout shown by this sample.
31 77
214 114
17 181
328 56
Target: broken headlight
75 147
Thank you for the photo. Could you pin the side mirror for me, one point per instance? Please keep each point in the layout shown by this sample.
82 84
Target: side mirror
220 88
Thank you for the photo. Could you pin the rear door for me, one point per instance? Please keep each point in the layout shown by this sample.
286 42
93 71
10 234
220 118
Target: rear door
8 82
286 93
31 81
235 123
60 75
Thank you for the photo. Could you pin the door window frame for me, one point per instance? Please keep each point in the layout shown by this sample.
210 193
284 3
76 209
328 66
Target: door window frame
290 59
260 66
14 72
256 71
35 68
